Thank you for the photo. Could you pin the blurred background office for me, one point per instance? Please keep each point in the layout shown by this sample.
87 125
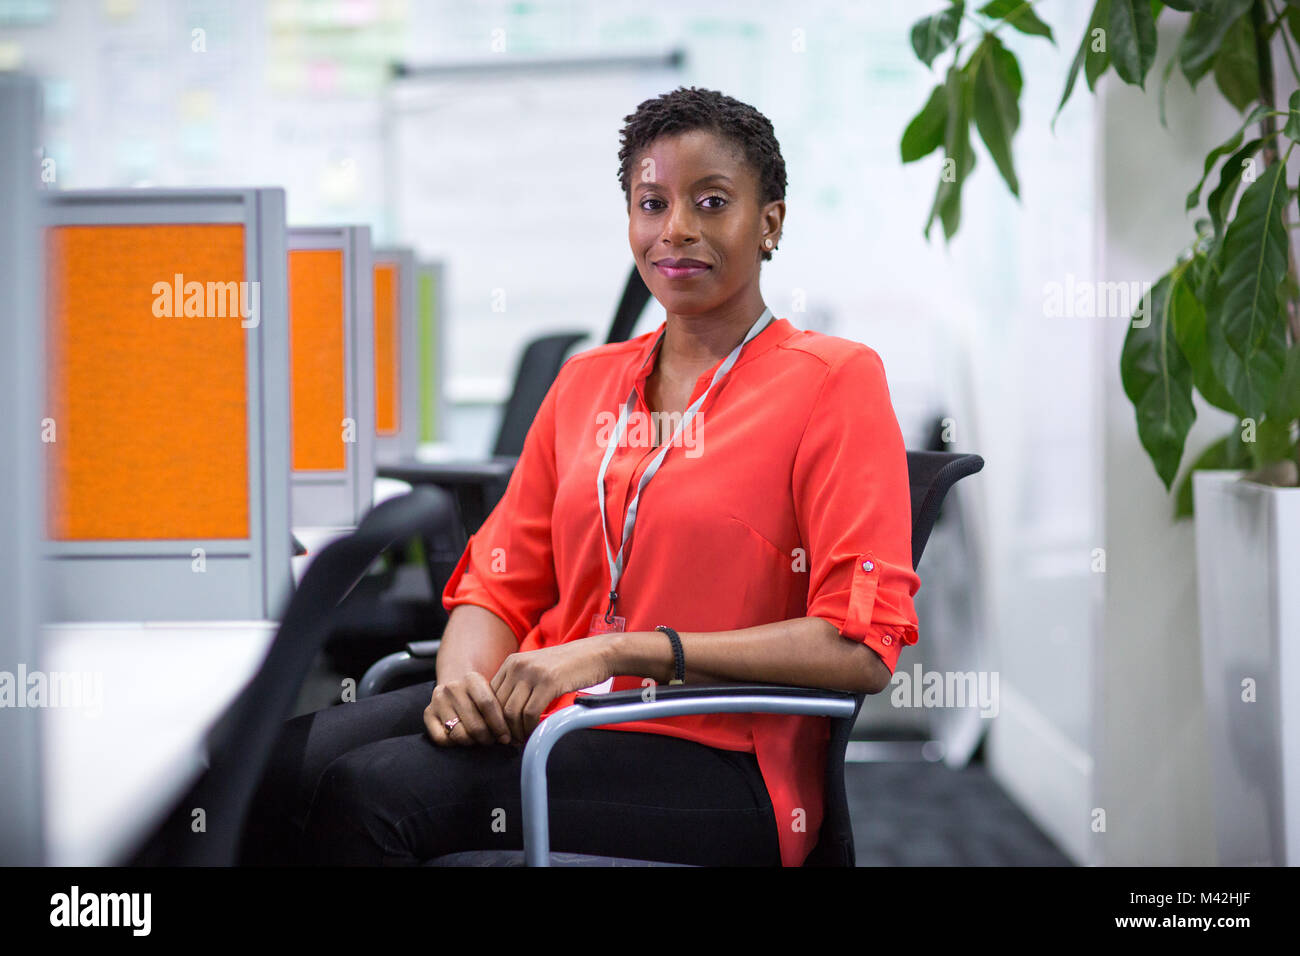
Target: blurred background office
485 136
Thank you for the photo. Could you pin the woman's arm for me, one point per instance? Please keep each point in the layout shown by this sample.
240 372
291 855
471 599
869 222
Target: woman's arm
474 640
805 651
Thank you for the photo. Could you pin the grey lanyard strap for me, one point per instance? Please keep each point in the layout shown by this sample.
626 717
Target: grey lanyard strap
616 563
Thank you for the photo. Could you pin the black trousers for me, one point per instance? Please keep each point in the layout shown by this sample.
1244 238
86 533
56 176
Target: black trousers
362 784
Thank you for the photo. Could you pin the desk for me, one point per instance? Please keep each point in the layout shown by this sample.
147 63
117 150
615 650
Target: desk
112 771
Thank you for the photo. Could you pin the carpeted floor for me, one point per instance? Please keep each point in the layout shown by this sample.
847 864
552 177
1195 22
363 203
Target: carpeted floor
918 813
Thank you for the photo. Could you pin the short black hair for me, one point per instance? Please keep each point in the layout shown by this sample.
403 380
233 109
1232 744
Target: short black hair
690 108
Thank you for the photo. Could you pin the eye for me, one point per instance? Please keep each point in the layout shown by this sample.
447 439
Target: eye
721 199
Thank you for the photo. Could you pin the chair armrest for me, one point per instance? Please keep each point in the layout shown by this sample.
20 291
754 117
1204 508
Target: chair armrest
424 648
450 474
673 701
694 691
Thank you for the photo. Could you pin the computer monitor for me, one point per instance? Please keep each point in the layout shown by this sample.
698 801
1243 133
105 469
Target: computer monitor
397 357
332 374
167 402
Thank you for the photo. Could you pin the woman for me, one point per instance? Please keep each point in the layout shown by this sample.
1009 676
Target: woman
771 536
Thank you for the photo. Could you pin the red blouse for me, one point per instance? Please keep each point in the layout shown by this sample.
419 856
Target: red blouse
786 497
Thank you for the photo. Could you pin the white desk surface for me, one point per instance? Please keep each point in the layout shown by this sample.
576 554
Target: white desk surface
112 770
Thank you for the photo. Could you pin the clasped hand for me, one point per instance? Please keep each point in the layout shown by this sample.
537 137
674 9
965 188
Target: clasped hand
508 708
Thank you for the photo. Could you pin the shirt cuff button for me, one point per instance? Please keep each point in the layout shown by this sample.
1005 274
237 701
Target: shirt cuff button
887 639
867 566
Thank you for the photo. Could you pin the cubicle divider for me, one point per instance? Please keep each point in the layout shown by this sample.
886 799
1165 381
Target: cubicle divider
397 357
21 484
167 404
430 298
332 374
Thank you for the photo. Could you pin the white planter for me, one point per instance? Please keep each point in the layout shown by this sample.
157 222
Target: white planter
1248 585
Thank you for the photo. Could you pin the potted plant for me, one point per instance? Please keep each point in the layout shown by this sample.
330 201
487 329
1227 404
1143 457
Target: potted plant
1223 322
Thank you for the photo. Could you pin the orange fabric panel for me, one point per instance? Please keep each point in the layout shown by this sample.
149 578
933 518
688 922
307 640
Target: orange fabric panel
316 375
388 411
150 406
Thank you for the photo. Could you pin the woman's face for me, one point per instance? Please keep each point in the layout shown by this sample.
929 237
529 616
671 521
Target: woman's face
694 197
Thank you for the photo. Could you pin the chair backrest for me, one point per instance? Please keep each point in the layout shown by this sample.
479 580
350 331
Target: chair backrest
397 356
168 402
635 296
331 374
537 370
930 475
541 363
242 740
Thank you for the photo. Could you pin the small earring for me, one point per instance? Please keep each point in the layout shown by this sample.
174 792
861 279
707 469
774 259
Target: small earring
767 243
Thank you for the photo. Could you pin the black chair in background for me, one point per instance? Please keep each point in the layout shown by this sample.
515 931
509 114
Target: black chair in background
240 743
930 476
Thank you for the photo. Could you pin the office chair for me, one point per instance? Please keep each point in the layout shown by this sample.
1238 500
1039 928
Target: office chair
241 742
930 476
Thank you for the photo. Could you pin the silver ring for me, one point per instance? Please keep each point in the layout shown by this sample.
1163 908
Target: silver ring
451 724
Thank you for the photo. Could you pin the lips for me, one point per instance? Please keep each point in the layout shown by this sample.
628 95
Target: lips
682 268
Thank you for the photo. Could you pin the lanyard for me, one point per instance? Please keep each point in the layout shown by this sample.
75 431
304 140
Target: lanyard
616 563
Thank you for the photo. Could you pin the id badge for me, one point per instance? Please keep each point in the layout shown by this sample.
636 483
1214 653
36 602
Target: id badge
601 626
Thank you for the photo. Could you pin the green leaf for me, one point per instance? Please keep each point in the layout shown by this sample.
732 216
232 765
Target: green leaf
1236 66
925 133
1187 6
1205 34
1189 330
1234 169
1098 57
1158 379
1228 453
1227 146
1132 40
959 158
1100 13
997 84
1019 15
1292 127
1244 328
1286 400
1292 17
934 34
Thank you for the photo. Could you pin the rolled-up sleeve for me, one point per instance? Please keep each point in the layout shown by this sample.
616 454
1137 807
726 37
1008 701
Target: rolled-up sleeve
508 566
853 507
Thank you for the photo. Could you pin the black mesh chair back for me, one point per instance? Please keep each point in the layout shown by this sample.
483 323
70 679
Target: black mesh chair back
537 370
630 307
241 742
930 475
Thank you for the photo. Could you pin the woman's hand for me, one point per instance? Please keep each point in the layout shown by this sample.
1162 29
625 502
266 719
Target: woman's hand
529 680
470 698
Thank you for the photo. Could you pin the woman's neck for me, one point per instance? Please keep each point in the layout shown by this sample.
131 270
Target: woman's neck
694 344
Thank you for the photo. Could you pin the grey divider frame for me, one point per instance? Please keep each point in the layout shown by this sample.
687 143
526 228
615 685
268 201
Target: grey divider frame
390 449
331 498
22 497
245 579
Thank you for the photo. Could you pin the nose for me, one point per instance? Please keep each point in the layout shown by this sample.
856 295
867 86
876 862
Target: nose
680 227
